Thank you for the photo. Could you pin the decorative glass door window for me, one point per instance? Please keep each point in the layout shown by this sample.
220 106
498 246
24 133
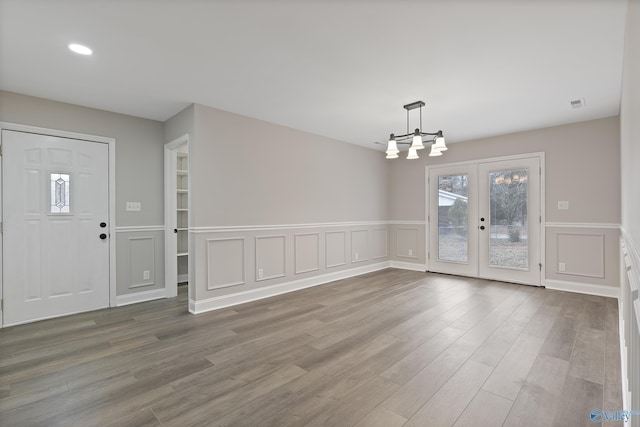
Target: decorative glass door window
60 193
453 233
509 241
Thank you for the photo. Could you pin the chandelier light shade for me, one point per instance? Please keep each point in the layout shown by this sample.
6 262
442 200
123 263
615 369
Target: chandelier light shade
415 139
439 142
392 149
434 151
413 153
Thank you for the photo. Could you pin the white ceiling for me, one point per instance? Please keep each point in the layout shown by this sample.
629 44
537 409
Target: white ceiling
341 69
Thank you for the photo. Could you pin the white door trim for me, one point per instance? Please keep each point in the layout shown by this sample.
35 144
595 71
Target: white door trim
170 219
541 157
112 193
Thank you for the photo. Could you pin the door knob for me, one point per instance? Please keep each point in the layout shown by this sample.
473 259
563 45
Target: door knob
103 236
481 219
482 227
175 230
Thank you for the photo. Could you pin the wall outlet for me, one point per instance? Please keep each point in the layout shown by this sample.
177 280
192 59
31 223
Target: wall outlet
563 205
561 266
134 206
146 275
357 256
260 273
410 252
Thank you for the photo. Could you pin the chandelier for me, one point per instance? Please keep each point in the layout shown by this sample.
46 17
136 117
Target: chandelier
414 139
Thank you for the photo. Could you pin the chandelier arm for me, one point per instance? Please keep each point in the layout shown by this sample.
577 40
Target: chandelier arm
410 135
406 135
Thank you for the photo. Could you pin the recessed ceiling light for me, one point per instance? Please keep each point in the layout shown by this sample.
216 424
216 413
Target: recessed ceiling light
78 48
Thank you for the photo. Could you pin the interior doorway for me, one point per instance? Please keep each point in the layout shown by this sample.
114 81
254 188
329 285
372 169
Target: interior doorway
177 217
485 219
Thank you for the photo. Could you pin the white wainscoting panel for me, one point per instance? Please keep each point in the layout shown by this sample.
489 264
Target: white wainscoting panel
380 243
407 242
141 259
582 254
225 262
359 246
307 252
335 248
270 257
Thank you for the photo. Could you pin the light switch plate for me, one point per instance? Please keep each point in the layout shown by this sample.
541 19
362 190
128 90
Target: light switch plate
134 206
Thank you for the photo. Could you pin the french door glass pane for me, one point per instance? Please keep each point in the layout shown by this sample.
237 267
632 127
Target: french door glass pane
509 243
453 233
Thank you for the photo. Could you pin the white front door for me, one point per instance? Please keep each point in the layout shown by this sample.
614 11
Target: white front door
484 220
56 226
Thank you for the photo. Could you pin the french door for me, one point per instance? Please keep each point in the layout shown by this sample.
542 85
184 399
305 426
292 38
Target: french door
56 226
485 219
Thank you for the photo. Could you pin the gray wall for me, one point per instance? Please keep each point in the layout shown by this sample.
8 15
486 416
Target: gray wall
582 167
255 173
139 177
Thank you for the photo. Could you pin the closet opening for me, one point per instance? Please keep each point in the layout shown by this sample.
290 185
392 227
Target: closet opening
177 204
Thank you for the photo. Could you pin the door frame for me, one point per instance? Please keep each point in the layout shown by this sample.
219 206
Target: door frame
111 144
170 218
541 158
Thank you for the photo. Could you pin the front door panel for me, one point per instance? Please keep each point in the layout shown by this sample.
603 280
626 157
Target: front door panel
56 251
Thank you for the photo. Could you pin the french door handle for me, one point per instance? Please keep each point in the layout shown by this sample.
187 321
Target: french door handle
482 227
103 236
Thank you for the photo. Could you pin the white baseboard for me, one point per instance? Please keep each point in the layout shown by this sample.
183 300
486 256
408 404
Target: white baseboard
583 288
409 266
223 301
140 297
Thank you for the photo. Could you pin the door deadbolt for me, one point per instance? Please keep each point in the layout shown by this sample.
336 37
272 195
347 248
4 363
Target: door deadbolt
103 236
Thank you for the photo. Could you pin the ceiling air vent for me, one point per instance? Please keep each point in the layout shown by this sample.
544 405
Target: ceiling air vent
577 103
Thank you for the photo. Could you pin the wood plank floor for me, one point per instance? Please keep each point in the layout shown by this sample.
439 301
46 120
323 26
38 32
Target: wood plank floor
391 348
